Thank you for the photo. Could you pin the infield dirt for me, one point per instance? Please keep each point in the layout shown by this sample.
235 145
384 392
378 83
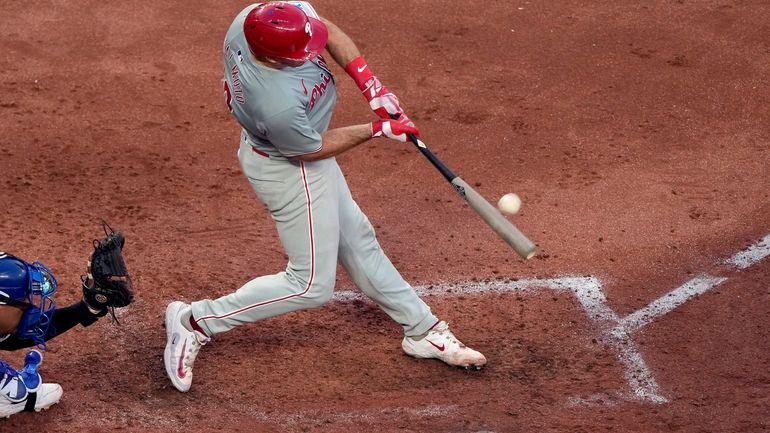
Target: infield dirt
636 134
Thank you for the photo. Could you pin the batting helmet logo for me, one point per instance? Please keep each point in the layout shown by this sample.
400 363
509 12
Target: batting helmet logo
282 30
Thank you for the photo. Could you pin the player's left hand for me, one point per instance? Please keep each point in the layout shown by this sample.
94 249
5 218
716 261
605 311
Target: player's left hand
382 101
385 104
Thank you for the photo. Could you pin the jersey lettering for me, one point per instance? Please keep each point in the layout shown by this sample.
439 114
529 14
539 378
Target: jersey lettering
321 62
319 89
237 89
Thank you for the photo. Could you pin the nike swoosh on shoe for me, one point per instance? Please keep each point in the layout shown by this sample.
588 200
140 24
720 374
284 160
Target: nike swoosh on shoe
180 366
440 348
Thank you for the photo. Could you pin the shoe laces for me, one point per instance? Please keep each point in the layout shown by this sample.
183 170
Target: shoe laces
446 333
193 349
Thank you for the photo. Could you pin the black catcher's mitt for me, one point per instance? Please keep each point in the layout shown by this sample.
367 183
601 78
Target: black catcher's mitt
108 285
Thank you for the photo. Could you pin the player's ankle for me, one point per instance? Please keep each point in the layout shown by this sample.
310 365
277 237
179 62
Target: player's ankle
424 334
193 326
189 323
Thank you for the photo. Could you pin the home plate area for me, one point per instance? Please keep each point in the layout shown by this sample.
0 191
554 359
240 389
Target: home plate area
617 331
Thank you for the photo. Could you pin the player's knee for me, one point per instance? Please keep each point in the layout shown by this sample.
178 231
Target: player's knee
322 288
318 295
317 287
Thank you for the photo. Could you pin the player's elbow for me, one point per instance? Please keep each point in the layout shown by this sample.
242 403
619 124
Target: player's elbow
330 26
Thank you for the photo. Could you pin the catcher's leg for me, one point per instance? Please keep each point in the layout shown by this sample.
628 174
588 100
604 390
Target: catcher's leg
23 390
302 199
372 271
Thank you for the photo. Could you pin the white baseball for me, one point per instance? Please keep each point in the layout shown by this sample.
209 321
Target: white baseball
509 203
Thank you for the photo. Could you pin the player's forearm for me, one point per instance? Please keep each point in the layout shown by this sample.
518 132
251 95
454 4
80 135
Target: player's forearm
62 320
338 140
339 45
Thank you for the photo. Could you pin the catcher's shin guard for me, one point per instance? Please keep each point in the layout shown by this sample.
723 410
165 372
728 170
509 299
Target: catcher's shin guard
23 391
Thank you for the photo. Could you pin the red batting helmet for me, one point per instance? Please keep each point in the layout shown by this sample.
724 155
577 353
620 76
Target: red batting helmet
280 29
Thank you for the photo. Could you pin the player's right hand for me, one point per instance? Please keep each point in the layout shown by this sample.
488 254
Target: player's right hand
393 129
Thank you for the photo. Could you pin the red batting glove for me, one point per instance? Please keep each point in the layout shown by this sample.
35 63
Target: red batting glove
393 129
381 100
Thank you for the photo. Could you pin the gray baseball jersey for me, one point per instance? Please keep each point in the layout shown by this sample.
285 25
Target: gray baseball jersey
282 113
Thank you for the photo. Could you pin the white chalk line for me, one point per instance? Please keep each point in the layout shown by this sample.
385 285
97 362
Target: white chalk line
637 374
751 255
588 291
695 287
366 417
475 287
595 400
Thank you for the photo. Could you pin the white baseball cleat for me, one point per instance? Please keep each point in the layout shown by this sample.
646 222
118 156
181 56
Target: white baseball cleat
441 344
182 347
47 395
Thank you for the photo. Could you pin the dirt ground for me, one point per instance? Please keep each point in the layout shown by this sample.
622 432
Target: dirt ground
636 133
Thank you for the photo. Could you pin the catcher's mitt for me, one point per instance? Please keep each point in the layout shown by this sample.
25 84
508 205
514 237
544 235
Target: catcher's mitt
107 285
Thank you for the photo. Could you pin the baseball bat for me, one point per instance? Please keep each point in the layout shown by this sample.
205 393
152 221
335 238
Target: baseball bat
504 228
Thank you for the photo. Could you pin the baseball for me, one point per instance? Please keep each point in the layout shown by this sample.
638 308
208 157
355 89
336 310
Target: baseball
509 203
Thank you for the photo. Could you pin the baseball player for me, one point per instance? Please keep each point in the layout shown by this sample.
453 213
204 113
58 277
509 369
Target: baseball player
29 317
282 93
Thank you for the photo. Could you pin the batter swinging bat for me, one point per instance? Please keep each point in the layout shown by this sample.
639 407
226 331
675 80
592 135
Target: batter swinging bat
510 234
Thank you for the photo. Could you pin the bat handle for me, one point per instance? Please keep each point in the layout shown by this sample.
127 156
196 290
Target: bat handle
412 137
440 166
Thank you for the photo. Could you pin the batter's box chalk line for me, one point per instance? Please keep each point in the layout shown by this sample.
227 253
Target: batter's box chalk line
373 417
751 255
617 331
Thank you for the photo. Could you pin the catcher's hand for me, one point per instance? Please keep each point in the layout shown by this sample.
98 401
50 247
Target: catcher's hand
107 285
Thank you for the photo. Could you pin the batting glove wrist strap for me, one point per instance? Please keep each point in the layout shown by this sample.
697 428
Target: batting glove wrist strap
360 73
381 100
